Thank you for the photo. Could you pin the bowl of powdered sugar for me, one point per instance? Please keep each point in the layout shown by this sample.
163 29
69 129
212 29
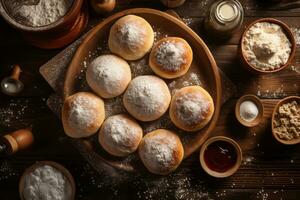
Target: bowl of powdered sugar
48 20
267 45
47 180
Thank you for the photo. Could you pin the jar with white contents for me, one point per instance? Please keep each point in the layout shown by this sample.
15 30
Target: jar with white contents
224 18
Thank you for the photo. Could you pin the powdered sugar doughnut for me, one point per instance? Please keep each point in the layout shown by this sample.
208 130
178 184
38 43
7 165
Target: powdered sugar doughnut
82 114
161 151
171 57
108 75
131 37
120 135
191 108
147 98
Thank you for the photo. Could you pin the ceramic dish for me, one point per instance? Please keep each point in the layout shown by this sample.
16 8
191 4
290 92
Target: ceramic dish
283 101
259 105
231 170
289 35
203 66
57 34
57 166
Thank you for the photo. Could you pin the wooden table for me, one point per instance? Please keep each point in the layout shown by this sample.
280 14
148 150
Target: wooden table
269 170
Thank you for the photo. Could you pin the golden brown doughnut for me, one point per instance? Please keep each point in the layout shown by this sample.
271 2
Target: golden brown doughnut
120 135
147 98
108 75
191 108
161 151
171 57
82 114
131 37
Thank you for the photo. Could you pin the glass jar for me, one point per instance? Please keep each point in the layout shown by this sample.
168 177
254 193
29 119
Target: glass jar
224 18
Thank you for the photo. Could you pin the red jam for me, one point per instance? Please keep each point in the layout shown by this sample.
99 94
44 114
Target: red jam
220 156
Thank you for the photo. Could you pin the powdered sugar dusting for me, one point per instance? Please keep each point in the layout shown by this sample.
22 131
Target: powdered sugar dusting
108 72
296 33
120 134
191 108
158 34
295 69
140 67
174 187
159 150
192 79
132 35
170 55
187 21
82 112
146 95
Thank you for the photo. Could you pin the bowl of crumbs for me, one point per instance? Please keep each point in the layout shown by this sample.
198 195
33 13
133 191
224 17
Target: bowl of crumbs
286 120
47 180
267 46
46 24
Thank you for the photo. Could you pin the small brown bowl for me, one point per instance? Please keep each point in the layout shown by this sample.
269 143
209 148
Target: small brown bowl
288 33
57 166
259 105
283 101
230 171
55 35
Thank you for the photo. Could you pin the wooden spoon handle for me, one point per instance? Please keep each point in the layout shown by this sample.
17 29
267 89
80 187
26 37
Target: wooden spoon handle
16 72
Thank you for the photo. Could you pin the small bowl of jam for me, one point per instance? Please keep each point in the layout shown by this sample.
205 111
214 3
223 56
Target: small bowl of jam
220 156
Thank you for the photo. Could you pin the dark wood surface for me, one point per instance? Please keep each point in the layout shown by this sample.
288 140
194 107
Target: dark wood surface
269 170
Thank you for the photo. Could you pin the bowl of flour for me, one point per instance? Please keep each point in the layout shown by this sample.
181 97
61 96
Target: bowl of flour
267 46
47 180
56 22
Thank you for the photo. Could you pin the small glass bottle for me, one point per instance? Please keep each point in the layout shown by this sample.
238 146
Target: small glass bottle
224 18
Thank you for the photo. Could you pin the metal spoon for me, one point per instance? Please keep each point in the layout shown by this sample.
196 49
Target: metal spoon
12 85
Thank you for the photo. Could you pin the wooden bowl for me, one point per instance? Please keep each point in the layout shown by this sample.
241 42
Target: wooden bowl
230 171
203 63
289 35
57 34
259 105
57 166
283 101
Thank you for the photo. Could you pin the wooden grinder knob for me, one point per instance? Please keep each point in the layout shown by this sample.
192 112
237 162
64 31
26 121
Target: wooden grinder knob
16 72
18 140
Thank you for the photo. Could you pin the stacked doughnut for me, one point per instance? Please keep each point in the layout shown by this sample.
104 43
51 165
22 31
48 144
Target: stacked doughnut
145 98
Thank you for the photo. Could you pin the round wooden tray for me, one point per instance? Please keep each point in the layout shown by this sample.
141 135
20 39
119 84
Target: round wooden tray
203 67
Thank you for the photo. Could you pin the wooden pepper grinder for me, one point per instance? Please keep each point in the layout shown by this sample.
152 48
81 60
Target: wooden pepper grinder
103 6
12 85
172 3
15 141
